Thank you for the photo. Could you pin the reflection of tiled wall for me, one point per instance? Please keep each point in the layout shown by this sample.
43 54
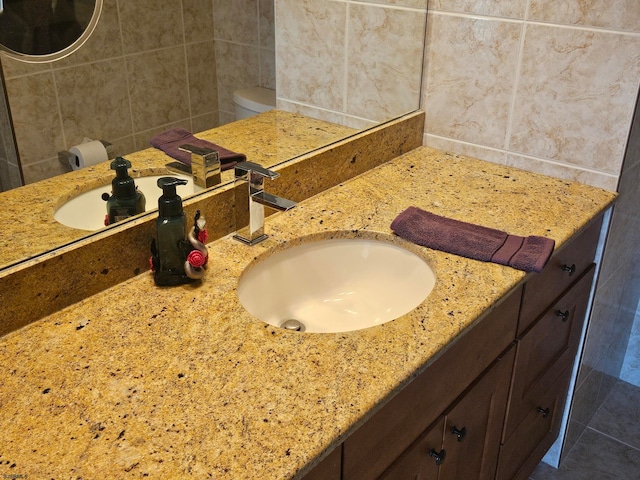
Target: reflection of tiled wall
144 69
245 49
550 86
544 85
353 63
9 169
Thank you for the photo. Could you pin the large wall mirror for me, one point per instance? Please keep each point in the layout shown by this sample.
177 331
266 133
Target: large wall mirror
144 70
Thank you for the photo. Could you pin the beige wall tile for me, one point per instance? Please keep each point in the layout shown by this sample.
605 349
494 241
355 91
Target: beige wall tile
400 3
94 101
266 20
204 122
499 8
14 68
47 168
146 25
201 68
105 41
469 77
467 149
35 116
384 61
158 87
613 14
575 99
238 66
559 170
198 20
236 20
267 68
310 57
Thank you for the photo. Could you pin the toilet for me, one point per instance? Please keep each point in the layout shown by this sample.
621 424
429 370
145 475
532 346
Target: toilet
254 100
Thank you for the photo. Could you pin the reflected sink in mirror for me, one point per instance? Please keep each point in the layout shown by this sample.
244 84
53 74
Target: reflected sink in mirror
335 285
87 210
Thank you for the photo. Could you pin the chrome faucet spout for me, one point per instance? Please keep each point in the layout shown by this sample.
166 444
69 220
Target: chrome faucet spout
205 165
250 221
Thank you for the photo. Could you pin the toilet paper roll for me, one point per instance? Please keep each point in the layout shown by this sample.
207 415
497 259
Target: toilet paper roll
86 154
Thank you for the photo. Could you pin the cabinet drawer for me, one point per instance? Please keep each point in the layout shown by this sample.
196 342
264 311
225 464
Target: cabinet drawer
524 449
372 448
547 349
562 270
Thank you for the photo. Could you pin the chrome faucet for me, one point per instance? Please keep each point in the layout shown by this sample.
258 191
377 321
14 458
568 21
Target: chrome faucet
256 199
205 165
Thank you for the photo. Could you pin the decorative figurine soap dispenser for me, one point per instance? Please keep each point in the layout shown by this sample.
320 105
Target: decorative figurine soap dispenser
176 258
126 200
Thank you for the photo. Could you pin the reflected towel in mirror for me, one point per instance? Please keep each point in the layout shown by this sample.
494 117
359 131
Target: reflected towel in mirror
170 141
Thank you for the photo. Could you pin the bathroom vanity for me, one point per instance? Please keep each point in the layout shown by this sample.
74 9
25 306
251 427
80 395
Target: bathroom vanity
183 382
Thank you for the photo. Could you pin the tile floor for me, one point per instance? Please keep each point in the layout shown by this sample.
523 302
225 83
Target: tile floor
609 448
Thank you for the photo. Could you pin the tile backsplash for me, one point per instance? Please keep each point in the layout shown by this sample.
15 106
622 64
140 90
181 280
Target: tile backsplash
546 85
143 70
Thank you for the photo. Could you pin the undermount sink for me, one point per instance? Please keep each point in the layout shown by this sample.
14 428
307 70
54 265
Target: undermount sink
335 285
87 210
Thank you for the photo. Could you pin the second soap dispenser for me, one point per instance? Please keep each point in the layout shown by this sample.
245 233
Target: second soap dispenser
170 248
125 200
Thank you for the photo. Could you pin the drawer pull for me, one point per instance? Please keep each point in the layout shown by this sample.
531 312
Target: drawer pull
439 456
459 433
544 411
570 269
564 315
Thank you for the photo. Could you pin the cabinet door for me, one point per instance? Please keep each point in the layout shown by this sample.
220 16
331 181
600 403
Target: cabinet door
327 469
473 426
563 269
547 349
421 460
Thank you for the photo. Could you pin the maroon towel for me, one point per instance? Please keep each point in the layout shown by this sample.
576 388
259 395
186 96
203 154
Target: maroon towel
170 141
473 241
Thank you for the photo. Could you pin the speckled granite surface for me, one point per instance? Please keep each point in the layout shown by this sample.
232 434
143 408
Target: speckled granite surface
45 284
183 383
267 139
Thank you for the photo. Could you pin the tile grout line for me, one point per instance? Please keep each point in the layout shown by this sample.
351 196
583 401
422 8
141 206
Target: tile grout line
617 440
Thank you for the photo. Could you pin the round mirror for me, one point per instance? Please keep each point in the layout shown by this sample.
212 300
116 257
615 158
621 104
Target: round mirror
41 30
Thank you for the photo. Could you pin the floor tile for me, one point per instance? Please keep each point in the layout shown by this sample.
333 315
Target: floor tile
619 415
595 457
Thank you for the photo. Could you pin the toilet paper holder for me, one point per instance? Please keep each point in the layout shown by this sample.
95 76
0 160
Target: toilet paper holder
68 159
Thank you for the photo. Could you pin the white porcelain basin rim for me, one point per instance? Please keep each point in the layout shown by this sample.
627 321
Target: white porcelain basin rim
87 210
336 285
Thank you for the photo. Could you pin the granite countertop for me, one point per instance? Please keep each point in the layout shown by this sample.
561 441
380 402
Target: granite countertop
178 382
267 139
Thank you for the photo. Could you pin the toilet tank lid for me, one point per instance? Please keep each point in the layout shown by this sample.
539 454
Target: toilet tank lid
257 99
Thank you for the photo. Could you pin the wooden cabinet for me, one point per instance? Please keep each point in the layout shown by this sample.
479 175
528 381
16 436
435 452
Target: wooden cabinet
463 443
500 389
542 370
371 449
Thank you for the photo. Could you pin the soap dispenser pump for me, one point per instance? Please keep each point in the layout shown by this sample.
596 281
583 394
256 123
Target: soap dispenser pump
126 200
171 248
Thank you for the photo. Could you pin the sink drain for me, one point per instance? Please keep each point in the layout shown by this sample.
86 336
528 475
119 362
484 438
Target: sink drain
293 324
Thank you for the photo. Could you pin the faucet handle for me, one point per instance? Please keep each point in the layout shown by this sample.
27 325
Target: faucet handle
242 168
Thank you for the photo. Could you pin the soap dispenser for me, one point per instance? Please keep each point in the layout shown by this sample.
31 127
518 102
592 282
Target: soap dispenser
171 248
126 200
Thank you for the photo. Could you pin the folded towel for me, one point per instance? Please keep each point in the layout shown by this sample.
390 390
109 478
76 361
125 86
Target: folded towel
170 141
473 241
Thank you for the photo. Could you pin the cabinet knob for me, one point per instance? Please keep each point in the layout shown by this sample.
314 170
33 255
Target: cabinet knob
544 411
439 456
570 269
564 315
459 433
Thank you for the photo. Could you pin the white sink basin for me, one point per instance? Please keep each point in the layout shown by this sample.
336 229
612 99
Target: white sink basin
336 285
87 210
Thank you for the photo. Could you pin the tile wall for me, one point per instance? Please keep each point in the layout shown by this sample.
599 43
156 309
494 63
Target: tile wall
9 169
544 85
245 49
354 63
550 86
143 70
